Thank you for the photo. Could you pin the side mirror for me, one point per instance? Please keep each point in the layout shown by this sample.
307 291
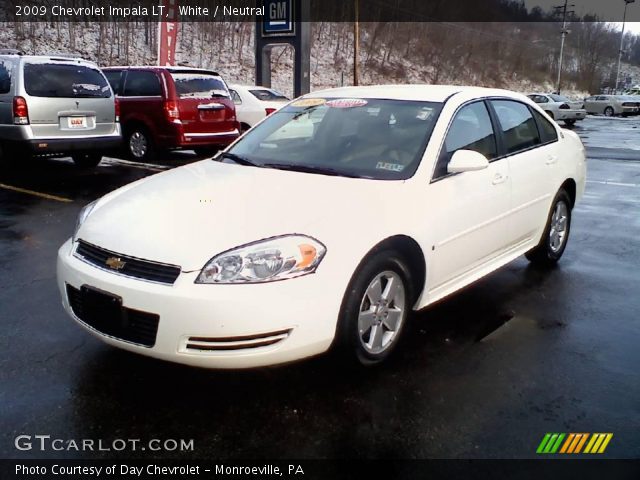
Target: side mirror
467 161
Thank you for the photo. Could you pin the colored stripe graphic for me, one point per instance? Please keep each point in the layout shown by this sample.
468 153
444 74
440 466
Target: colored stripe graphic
573 443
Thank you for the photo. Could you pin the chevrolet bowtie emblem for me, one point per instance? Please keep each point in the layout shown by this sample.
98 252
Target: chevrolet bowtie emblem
115 263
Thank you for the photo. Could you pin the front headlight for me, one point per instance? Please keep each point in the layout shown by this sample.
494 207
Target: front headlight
268 260
82 216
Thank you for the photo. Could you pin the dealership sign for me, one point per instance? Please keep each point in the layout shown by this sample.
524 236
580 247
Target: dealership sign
168 32
278 18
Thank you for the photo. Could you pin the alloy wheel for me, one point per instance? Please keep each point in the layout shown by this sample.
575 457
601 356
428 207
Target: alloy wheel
382 312
558 230
138 145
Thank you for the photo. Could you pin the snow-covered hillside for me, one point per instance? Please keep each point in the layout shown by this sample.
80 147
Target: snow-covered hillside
232 54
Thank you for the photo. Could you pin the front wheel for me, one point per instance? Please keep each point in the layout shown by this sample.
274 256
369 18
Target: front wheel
86 160
556 234
608 112
375 309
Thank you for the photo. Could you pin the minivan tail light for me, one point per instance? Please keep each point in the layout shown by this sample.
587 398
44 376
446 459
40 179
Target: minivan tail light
117 109
269 111
20 111
171 110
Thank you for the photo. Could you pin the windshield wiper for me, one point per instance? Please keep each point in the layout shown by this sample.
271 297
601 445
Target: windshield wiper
237 159
310 169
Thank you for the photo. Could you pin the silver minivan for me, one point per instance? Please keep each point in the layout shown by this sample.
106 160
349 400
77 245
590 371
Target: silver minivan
54 106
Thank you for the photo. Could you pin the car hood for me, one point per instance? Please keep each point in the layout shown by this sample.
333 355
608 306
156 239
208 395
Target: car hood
189 214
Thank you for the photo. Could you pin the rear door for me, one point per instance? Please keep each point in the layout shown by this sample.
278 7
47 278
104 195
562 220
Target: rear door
204 102
141 99
67 98
531 163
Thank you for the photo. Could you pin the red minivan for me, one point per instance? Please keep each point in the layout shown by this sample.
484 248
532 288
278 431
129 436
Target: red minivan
173 108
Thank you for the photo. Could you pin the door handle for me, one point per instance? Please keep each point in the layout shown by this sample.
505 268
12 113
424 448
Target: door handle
551 159
499 178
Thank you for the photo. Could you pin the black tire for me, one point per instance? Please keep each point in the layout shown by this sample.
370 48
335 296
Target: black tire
139 144
545 254
550 114
609 112
206 151
86 160
351 338
570 123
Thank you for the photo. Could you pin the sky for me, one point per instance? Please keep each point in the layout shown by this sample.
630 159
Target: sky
608 10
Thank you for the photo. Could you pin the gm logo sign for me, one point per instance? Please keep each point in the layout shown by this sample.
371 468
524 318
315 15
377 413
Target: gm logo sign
278 18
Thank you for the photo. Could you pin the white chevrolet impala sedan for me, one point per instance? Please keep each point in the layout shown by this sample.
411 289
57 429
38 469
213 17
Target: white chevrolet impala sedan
325 225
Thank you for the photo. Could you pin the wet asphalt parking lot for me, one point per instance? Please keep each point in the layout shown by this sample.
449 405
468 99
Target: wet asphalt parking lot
484 374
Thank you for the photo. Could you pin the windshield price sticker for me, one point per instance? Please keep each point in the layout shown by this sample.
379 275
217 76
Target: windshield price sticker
347 103
309 102
391 167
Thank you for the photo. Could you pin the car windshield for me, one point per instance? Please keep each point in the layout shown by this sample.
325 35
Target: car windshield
365 138
64 80
199 85
559 98
268 95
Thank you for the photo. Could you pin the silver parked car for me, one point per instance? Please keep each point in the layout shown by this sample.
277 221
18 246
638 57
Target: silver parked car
55 105
611 105
559 107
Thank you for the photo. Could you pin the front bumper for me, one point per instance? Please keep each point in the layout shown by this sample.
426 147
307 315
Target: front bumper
233 316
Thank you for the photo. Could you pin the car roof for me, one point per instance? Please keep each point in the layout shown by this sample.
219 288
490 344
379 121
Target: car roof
62 58
158 68
247 87
430 93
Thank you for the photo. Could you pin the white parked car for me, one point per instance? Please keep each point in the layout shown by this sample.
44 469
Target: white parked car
611 105
281 247
255 103
560 108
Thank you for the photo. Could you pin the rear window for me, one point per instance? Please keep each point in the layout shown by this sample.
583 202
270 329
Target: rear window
199 85
268 95
64 80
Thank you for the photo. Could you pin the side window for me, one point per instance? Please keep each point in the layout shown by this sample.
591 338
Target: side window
5 76
114 79
542 99
235 97
548 132
517 124
142 84
470 129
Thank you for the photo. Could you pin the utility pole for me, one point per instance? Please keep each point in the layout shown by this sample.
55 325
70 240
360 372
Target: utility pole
356 46
564 33
624 19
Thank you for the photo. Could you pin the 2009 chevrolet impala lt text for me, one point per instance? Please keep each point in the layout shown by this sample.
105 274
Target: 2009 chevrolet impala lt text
324 225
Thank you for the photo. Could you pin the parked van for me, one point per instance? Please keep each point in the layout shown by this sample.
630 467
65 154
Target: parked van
55 106
173 108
